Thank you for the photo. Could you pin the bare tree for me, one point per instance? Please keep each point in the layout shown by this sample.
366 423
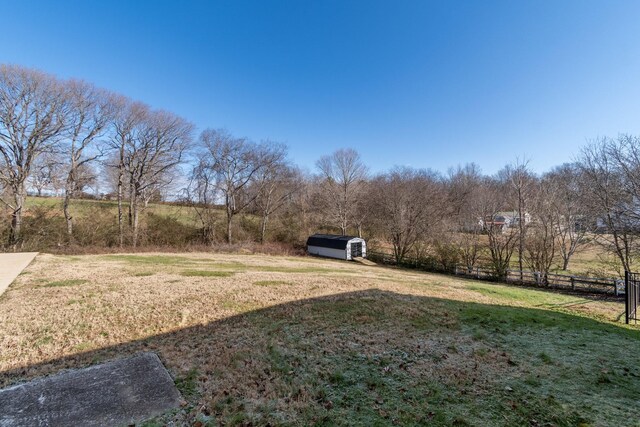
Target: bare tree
45 173
300 218
32 119
520 182
149 158
542 244
275 184
574 221
344 175
235 163
407 207
502 238
465 211
91 111
127 123
202 192
609 169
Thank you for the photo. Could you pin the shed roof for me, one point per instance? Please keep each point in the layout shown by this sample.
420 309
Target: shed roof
332 241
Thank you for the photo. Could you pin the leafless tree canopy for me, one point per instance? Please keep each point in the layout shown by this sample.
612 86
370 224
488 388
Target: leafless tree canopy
610 170
407 206
343 177
33 111
90 112
65 137
234 164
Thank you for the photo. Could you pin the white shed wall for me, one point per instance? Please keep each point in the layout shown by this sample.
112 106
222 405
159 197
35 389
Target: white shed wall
356 240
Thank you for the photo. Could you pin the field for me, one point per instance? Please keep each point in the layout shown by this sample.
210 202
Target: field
267 340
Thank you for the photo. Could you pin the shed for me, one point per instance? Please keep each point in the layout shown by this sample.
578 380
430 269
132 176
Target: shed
335 246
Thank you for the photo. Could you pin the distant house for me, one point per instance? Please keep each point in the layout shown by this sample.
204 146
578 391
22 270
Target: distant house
624 216
504 220
335 246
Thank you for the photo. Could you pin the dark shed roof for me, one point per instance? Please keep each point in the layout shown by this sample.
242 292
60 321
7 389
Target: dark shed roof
332 241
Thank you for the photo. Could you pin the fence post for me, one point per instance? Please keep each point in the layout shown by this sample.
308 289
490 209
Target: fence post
615 286
626 297
477 272
573 283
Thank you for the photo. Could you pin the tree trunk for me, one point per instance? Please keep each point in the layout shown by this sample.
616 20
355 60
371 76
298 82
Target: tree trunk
68 190
131 207
521 242
229 217
133 203
16 216
263 228
120 213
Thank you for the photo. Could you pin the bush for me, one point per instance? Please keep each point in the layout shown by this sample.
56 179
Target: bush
96 227
168 231
447 255
42 227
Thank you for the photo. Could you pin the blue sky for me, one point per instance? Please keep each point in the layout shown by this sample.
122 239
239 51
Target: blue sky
418 83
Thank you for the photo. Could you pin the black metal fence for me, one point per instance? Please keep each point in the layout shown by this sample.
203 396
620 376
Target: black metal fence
632 296
607 285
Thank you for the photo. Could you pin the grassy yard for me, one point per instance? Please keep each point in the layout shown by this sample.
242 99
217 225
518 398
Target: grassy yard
265 340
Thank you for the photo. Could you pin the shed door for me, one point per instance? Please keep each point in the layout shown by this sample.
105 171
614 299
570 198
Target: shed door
356 249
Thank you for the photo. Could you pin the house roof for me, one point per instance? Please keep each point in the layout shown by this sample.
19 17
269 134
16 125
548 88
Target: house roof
332 241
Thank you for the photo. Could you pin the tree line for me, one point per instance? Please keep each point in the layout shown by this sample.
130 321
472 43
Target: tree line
67 136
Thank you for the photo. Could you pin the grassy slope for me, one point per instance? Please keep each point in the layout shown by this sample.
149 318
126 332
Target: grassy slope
285 341
80 207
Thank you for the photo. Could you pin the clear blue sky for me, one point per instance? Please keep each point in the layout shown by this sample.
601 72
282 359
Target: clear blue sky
419 83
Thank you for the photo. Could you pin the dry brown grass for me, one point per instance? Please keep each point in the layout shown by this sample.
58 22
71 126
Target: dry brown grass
259 343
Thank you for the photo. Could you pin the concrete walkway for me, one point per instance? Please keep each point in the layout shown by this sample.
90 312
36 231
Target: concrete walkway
119 393
12 264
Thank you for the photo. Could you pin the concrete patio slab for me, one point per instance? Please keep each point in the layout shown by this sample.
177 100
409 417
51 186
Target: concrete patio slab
12 264
118 393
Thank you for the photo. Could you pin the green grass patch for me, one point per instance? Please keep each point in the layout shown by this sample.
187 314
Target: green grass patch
206 273
44 341
275 269
68 282
183 261
83 346
174 261
533 297
187 384
143 273
169 260
365 357
271 283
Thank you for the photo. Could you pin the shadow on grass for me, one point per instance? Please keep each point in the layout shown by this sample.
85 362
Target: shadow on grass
376 358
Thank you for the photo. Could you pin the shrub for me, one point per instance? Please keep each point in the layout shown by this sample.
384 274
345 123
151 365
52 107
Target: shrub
160 230
447 255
